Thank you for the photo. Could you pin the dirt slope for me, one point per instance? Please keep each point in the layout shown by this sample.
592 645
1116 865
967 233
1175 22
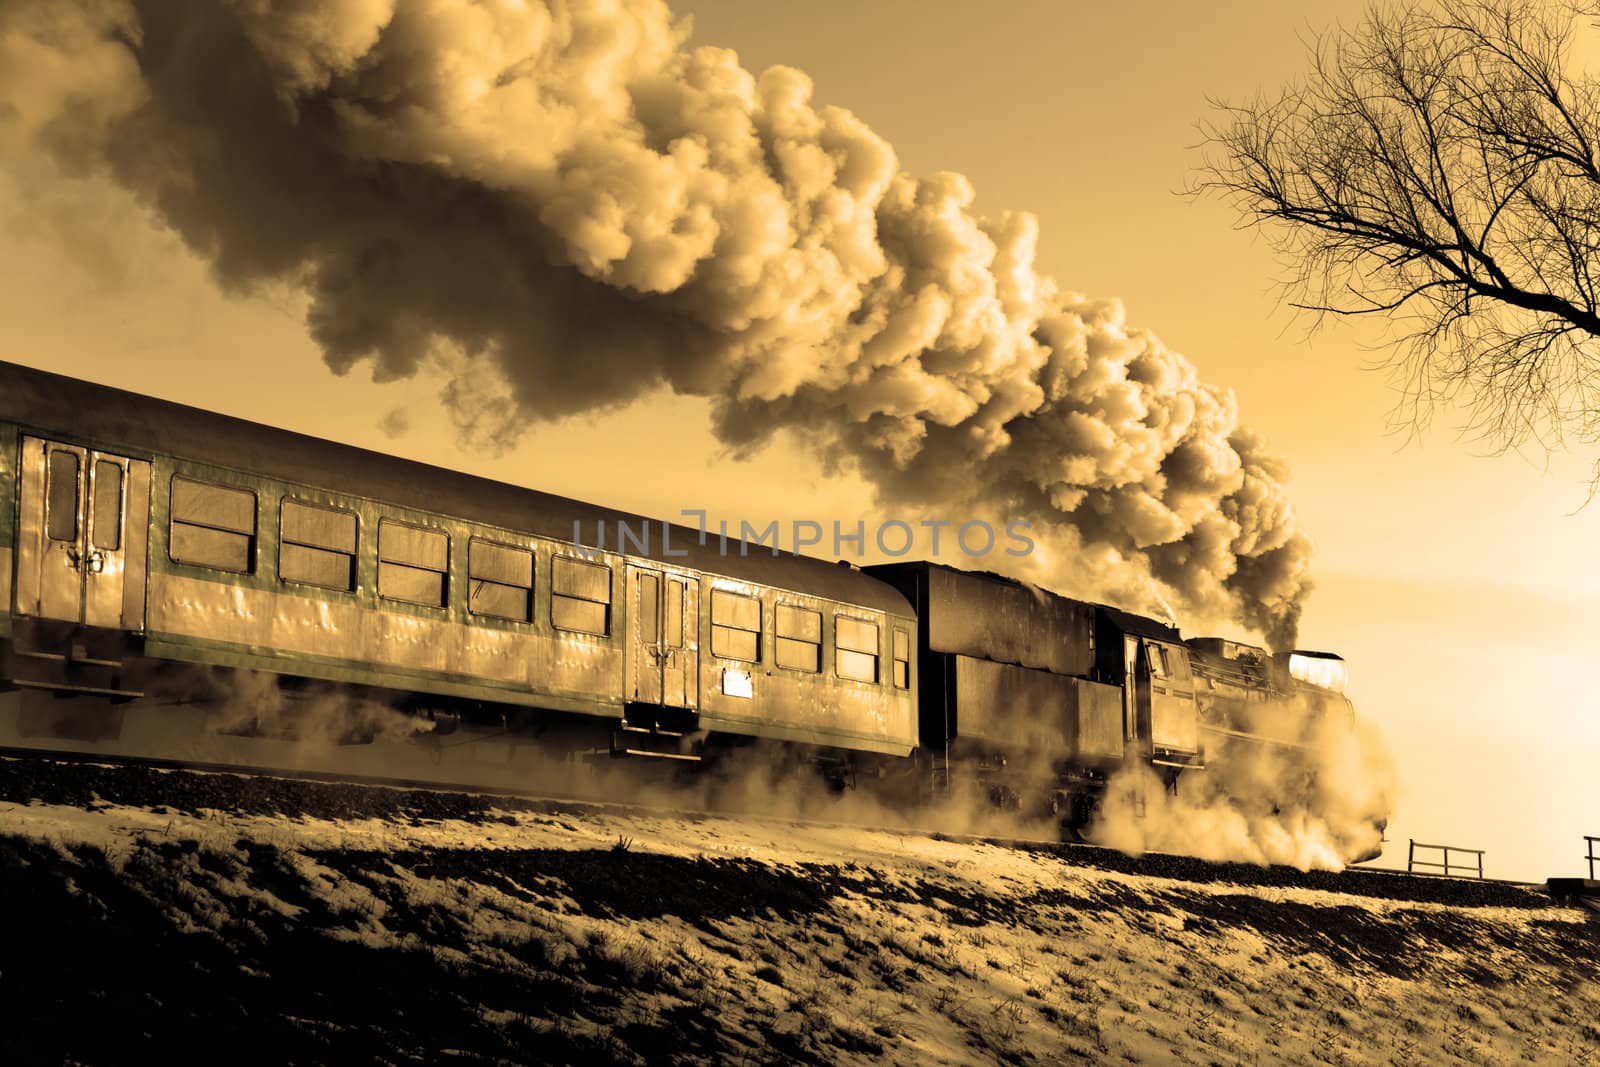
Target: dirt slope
206 917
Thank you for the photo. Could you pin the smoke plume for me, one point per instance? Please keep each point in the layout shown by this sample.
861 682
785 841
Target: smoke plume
570 202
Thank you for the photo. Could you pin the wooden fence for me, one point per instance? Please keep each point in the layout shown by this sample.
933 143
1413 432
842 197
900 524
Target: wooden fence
1449 870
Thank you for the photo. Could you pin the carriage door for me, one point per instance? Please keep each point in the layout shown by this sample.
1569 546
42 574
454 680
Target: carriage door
81 549
663 661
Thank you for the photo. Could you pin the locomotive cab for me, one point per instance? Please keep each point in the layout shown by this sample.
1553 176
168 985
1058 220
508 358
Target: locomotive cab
1151 664
1166 685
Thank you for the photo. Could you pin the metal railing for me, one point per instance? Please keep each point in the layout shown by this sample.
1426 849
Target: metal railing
1592 857
1446 868
1244 675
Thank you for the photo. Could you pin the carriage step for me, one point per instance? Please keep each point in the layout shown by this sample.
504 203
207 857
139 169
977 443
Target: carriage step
653 731
80 654
33 653
685 757
633 742
66 688
54 641
74 674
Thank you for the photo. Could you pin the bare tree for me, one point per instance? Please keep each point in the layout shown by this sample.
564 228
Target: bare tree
1438 167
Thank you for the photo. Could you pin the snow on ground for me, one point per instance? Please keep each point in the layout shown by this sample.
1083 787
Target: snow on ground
555 932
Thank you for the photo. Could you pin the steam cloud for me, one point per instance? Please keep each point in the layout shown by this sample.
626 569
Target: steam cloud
572 207
1315 801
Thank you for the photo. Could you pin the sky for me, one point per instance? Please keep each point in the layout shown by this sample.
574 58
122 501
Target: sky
1459 586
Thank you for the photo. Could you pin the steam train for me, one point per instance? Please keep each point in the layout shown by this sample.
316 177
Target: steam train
144 544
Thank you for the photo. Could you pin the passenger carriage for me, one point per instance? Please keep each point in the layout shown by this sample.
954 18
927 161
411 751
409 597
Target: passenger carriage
136 532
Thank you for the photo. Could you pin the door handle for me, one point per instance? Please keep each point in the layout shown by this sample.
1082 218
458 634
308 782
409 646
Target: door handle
89 562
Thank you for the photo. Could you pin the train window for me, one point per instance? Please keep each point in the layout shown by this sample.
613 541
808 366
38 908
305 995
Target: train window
580 596
502 581
212 526
735 626
649 608
1178 664
902 659
413 564
673 638
799 644
317 546
106 529
856 654
61 507
1158 661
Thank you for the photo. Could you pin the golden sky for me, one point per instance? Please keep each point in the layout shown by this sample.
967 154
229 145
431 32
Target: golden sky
1460 587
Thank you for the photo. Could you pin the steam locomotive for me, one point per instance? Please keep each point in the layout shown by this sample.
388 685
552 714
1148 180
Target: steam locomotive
144 544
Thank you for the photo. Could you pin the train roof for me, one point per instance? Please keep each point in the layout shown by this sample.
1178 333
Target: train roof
84 411
1140 626
1125 621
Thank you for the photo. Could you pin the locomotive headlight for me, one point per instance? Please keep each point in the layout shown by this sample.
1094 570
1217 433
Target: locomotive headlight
1321 669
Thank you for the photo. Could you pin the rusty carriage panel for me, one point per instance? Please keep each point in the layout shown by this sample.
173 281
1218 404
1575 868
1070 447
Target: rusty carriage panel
789 665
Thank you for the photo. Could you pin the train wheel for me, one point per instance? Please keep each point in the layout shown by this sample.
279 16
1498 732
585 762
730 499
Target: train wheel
1080 813
1004 797
1058 805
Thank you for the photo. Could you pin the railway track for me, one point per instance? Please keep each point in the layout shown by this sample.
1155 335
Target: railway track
82 779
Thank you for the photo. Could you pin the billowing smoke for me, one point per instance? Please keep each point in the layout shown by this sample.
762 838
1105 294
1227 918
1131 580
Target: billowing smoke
568 202
1314 795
